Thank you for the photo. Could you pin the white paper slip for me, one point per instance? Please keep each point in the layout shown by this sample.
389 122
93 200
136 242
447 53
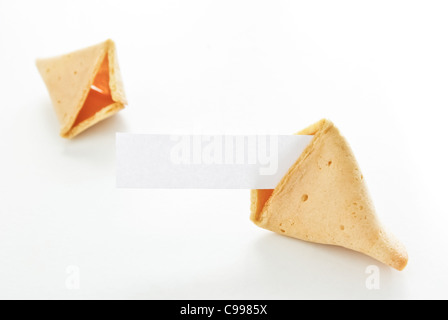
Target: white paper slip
205 162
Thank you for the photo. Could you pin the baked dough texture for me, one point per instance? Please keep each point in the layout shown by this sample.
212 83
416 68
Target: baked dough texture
85 86
323 198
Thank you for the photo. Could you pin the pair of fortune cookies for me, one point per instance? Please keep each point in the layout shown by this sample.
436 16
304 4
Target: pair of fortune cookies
85 87
323 198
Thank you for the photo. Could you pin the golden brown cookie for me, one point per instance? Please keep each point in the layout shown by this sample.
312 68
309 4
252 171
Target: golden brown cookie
323 198
85 86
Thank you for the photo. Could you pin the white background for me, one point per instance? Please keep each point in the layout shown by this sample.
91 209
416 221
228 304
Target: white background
377 69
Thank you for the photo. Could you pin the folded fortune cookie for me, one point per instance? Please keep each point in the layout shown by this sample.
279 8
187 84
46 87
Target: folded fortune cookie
323 198
85 86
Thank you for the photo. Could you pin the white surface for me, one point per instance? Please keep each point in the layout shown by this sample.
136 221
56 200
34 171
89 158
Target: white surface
164 161
378 69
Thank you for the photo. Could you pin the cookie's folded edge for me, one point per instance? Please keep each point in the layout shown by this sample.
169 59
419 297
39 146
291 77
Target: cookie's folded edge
259 197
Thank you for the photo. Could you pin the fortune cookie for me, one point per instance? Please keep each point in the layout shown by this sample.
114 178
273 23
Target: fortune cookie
85 87
324 199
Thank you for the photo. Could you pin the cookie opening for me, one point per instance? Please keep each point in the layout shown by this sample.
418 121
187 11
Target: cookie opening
262 197
99 95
